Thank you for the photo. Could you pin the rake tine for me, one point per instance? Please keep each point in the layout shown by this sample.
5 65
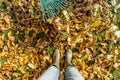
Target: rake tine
50 8
61 4
48 13
55 5
54 8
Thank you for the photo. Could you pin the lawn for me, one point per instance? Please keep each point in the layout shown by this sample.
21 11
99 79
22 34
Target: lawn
90 28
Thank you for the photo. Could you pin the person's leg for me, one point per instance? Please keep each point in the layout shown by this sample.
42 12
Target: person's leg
71 73
52 73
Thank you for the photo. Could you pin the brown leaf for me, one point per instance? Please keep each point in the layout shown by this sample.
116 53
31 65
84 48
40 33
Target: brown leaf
106 35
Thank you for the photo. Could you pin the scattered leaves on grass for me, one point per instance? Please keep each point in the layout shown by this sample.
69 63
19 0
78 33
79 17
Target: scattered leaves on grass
27 43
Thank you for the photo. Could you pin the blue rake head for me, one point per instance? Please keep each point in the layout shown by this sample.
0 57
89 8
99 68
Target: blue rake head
50 8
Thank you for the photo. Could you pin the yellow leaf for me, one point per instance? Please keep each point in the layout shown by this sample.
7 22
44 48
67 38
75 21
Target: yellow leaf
26 59
8 61
106 35
83 65
33 3
100 38
75 40
80 27
21 69
31 65
16 74
9 33
0 64
0 36
88 8
103 51
63 38
96 24
115 58
1 76
22 59
46 31
2 54
14 3
116 51
25 76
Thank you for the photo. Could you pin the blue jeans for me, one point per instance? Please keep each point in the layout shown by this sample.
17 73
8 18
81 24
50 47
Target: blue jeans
52 73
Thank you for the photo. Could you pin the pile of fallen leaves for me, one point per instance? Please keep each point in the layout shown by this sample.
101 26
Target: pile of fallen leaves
89 28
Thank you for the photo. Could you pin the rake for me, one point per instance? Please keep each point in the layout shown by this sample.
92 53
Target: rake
50 8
